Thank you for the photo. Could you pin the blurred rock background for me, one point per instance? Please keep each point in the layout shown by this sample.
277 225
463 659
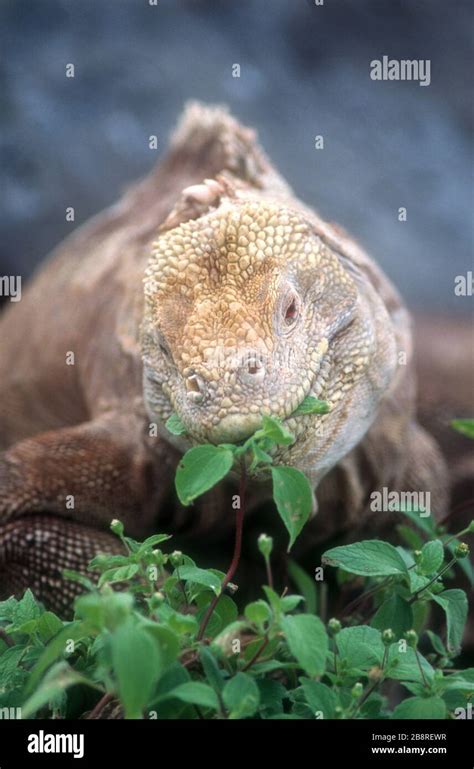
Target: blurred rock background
304 72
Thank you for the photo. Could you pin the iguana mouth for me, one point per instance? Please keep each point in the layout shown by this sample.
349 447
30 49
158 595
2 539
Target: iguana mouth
237 426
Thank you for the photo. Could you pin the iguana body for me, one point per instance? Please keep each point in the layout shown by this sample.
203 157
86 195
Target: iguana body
235 265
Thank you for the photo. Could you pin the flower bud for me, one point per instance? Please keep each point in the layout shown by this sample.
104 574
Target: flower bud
156 600
117 527
461 550
411 637
158 557
176 558
388 636
334 625
265 545
357 690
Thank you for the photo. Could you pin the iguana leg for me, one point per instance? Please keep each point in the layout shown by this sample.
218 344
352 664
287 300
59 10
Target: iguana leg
90 473
35 549
60 488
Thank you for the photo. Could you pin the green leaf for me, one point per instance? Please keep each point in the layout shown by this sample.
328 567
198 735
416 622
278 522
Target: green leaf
59 678
166 641
107 610
394 613
274 429
48 625
420 707
432 556
289 603
312 405
305 585
459 689
56 648
371 558
241 696
224 614
211 669
200 469
24 611
320 698
137 666
199 576
155 539
293 498
403 665
174 425
168 707
81 579
437 643
464 426
8 609
360 647
258 612
122 574
181 624
274 600
103 562
259 456
272 694
10 666
454 603
307 641
196 693
417 581
372 707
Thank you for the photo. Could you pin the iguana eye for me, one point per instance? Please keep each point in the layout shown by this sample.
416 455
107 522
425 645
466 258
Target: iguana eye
291 311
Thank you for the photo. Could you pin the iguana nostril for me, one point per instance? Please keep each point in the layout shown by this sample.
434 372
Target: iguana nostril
253 371
194 389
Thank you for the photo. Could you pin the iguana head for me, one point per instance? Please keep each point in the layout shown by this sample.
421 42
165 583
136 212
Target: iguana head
247 312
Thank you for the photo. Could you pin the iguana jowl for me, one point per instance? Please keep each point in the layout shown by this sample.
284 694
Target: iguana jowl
209 290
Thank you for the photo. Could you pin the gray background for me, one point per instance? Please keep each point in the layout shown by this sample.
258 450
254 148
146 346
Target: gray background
304 71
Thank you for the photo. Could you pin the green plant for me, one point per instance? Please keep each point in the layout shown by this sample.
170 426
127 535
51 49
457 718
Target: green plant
166 638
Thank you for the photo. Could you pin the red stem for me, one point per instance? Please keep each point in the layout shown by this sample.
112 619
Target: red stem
239 523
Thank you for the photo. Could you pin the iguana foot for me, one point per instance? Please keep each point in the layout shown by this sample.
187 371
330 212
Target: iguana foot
34 551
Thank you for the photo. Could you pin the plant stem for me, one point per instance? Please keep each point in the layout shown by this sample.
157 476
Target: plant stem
373 686
456 536
425 682
437 576
364 596
182 587
323 601
257 654
102 702
239 522
269 573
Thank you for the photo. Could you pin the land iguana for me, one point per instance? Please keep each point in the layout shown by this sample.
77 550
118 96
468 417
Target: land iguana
212 292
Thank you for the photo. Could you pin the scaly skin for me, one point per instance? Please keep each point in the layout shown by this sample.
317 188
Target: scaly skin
247 312
212 291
